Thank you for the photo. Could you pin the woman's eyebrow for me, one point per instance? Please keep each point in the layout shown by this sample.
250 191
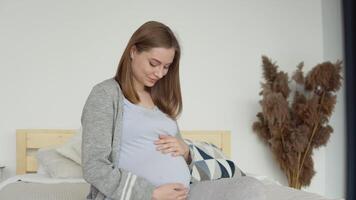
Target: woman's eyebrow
159 61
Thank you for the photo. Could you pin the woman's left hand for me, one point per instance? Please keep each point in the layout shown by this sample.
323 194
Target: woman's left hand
173 145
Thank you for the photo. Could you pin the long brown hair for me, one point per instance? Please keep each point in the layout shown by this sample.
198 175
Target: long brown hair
166 93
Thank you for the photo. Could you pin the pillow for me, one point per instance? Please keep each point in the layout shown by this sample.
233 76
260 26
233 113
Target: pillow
209 162
58 166
71 147
41 170
77 145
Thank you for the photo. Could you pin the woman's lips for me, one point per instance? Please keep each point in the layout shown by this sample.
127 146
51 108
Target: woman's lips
152 80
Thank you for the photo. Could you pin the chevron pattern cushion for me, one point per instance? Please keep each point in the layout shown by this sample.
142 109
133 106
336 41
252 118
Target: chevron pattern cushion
209 162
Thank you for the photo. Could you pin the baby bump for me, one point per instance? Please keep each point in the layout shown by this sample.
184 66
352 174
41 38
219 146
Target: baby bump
165 168
156 167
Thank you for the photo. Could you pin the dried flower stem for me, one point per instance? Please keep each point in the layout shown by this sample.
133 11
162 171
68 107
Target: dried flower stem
294 182
311 138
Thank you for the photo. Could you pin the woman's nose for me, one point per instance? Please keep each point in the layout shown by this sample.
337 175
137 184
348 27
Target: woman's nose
159 72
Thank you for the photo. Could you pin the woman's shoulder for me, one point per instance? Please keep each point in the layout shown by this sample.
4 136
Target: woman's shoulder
110 85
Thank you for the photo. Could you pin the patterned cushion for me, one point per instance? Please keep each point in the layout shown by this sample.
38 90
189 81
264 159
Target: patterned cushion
209 162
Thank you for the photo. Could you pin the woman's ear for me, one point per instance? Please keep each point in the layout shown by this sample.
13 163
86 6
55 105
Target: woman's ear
133 51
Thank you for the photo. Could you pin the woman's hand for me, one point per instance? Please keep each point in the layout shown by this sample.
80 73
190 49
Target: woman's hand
170 191
170 144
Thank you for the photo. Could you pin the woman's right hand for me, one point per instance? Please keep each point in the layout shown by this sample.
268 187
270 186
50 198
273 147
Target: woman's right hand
170 191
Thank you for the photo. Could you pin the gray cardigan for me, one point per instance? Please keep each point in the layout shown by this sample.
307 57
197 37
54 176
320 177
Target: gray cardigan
102 129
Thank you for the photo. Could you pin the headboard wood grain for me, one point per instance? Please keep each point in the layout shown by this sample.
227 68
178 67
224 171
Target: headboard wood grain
28 141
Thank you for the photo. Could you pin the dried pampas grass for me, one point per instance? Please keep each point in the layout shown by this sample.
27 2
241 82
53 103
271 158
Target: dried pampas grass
293 129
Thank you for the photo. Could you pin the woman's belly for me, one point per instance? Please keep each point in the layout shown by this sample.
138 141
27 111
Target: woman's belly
142 159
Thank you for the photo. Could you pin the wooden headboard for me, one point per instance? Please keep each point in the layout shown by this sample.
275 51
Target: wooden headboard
28 141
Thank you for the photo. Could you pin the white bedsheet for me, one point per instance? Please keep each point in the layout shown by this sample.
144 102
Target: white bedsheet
264 179
39 178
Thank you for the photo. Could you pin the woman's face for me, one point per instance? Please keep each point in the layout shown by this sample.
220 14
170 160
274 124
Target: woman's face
150 66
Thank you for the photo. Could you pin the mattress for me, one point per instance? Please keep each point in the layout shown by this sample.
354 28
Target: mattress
41 187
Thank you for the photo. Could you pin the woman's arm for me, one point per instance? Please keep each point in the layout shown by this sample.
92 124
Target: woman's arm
97 122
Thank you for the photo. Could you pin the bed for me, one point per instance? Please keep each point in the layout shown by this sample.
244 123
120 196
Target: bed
30 184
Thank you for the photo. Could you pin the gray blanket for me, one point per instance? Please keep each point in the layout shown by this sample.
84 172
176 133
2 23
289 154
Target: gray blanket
241 188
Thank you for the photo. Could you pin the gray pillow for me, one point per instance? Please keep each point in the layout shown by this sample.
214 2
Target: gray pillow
58 166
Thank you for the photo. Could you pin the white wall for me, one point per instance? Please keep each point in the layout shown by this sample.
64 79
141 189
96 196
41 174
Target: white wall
335 165
53 52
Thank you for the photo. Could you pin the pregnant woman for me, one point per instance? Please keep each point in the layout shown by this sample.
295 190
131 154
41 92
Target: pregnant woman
132 147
